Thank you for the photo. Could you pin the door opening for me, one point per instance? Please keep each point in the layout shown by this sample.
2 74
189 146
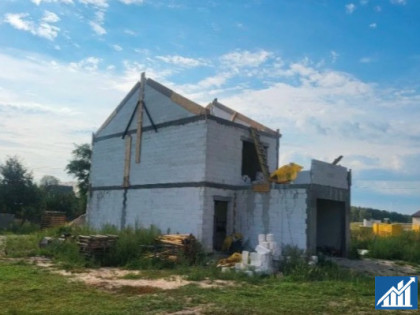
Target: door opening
220 222
330 227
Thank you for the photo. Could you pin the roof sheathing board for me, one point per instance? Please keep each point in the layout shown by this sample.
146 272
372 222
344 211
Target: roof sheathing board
238 116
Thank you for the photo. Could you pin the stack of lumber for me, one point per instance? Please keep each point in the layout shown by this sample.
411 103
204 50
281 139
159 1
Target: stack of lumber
175 239
179 244
96 245
52 219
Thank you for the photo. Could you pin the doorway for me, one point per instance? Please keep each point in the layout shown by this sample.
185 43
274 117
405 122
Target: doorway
330 227
220 224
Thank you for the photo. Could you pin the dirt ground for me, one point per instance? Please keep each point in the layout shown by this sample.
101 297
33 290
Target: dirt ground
378 267
112 278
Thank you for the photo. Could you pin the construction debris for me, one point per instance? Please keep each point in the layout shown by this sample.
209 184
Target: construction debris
260 261
96 245
176 245
230 261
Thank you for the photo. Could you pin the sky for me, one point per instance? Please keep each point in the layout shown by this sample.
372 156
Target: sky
336 77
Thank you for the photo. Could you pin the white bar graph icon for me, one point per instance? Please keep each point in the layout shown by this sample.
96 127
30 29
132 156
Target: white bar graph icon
398 297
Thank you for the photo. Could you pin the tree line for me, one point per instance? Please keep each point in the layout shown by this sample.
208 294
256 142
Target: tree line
359 213
21 196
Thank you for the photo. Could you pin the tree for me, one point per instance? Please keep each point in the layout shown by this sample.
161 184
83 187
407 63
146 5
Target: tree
19 195
79 167
49 180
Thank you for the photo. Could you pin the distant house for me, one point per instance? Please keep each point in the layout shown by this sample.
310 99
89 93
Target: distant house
161 159
416 218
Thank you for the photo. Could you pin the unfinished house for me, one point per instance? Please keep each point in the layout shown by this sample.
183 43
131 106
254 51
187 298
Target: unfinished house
163 160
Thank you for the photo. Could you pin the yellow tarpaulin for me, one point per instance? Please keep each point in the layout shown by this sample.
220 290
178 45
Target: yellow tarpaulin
286 173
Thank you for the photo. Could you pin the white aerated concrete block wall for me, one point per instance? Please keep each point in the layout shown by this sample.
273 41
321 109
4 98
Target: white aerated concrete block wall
162 208
173 210
107 162
326 174
172 155
282 212
105 207
224 153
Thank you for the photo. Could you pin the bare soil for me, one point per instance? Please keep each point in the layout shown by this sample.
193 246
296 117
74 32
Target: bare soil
111 279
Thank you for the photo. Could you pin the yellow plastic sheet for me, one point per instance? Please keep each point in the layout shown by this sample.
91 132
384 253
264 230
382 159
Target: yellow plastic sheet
286 173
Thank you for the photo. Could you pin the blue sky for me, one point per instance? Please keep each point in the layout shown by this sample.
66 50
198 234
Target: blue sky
336 77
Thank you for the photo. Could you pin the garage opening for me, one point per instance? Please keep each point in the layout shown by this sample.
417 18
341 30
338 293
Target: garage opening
250 163
220 224
330 227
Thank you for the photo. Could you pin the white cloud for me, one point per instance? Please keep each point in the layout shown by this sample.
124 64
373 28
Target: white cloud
44 28
350 8
378 8
50 17
89 64
130 32
365 60
117 47
97 28
96 3
38 2
399 2
334 56
182 61
18 22
364 2
372 25
132 1
390 188
244 58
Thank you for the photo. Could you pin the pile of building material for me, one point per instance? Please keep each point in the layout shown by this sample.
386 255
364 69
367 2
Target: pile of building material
174 245
53 219
96 245
231 261
262 260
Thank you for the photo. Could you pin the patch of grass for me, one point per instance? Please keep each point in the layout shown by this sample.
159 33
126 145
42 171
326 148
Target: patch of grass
40 292
295 267
19 228
404 247
18 246
131 290
132 276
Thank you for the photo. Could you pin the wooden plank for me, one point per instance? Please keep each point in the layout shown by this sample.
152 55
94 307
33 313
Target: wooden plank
187 104
140 118
127 162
